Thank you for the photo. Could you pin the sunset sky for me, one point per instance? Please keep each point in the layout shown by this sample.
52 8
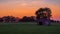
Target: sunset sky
20 8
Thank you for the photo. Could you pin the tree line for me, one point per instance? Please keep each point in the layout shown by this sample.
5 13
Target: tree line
12 19
6 19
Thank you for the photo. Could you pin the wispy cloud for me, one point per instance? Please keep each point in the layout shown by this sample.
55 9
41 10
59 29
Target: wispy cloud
22 2
18 0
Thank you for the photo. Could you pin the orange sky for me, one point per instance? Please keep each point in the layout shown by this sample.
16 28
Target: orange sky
20 9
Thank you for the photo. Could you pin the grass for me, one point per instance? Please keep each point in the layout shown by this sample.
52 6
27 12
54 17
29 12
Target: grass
29 29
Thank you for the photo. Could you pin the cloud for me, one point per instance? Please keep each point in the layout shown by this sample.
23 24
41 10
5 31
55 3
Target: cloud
18 0
45 1
30 3
24 4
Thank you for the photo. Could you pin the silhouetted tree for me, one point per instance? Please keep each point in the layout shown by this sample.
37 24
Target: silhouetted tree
27 19
1 20
24 19
44 13
9 19
32 18
6 18
17 19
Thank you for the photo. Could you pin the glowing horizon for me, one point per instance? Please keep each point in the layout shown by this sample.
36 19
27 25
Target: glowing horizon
20 8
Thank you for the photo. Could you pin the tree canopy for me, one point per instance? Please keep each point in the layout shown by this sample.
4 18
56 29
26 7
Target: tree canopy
43 12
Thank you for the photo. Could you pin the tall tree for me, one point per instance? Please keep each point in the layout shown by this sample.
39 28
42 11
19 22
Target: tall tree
44 13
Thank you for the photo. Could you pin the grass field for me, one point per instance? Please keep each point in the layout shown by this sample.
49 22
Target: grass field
29 28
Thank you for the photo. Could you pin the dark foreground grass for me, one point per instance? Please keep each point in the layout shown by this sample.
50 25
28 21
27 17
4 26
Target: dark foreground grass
29 29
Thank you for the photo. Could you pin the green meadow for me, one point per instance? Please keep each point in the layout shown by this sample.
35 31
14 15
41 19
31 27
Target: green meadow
29 28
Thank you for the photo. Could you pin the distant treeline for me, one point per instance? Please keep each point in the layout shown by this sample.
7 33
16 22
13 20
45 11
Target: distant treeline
17 19
12 19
